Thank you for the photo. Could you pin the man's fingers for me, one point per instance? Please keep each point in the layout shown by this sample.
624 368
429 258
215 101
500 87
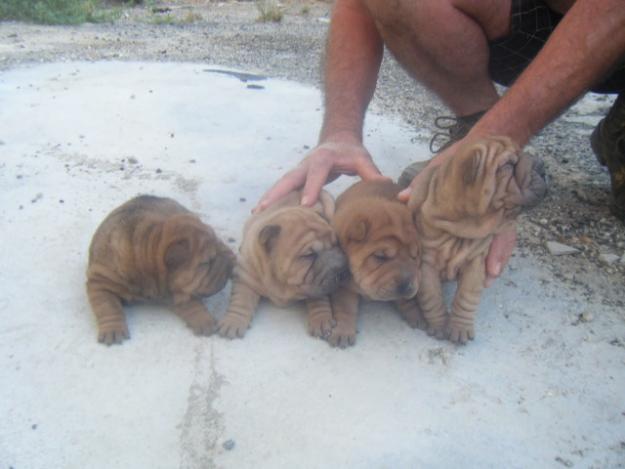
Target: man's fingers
404 196
500 251
368 171
290 181
315 180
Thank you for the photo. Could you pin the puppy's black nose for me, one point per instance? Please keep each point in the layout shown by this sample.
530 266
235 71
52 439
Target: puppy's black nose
342 275
404 287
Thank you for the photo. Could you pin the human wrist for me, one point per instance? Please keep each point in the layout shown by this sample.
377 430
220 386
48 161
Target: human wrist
495 126
340 135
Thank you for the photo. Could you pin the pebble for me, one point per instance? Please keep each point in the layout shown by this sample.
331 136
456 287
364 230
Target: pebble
559 249
228 445
609 258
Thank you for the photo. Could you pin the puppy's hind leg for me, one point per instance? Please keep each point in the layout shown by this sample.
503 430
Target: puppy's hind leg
466 300
107 307
197 317
243 303
320 320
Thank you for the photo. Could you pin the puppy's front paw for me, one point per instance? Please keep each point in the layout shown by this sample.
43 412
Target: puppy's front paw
414 318
321 325
233 326
437 329
202 324
342 336
113 333
460 333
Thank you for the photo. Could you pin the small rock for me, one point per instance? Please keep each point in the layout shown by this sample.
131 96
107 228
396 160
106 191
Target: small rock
609 258
559 249
228 445
584 317
132 160
242 199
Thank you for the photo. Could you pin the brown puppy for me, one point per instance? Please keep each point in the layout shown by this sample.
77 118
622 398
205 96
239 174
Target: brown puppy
378 236
288 253
154 249
471 197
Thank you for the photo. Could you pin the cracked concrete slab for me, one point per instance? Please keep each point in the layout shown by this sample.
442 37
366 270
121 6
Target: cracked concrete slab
537 388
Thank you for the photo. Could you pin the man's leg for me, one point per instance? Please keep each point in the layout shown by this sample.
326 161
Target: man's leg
444 45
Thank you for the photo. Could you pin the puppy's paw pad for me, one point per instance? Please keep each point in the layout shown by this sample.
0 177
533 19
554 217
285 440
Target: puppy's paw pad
115 334
321 326
233 326
460 334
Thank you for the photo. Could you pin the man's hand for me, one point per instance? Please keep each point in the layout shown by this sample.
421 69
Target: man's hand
502 245
338 154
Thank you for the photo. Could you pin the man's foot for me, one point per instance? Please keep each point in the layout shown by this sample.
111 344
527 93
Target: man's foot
608 144
451 130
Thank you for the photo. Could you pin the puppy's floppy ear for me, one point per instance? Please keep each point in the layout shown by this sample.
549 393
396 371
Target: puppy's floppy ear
181 235
177 253
358 230
470 166
268 236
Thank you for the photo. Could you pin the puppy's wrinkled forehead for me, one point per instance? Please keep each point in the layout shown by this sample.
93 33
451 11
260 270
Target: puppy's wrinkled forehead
391 221
302 226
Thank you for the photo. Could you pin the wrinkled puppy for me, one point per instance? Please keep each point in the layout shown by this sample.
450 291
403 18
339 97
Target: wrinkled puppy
154 249
378 236
288 253
470 198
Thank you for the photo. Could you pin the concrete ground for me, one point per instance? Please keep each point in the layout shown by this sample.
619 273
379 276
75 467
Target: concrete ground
541 386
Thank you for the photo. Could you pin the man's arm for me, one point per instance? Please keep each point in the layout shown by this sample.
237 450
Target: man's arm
353 58
588 41
353 55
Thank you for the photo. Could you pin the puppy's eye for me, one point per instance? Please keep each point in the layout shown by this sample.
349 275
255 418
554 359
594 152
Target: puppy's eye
380 257
309 256
206 264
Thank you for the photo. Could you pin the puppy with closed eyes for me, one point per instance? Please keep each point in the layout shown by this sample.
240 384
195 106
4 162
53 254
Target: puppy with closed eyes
378 236
465 202
288 253
153 249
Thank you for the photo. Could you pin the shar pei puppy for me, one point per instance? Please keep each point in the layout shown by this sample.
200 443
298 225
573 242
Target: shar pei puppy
467 200
288 253
153 249
377 233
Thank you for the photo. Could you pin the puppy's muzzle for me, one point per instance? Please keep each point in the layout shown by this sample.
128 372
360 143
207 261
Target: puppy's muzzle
331 269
